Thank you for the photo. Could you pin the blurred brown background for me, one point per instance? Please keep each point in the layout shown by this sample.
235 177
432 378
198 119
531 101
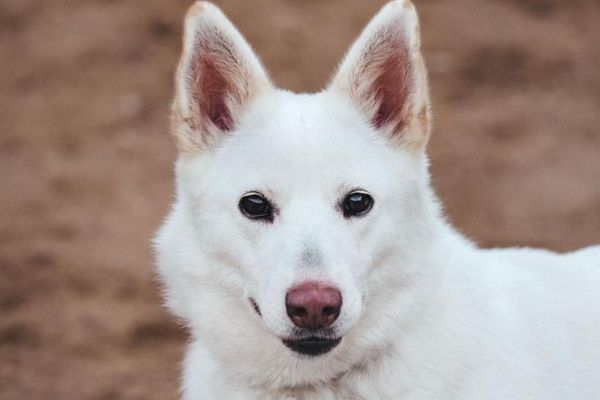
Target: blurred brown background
86 159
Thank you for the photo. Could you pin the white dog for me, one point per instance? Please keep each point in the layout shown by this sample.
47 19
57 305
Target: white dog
309 256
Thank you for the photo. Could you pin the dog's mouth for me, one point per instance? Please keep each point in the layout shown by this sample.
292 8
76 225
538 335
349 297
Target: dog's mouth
312 345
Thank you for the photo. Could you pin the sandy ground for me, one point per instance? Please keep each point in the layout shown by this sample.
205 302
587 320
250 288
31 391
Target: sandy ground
86 160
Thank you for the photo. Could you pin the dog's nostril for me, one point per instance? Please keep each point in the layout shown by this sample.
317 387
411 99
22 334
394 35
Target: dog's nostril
330 311
297 311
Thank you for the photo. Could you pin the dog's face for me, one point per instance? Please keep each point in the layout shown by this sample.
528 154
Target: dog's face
296 202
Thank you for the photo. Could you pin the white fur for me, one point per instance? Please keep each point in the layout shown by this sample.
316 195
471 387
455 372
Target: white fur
426 314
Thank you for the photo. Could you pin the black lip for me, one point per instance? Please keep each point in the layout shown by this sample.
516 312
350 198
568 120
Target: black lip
312 346
255 306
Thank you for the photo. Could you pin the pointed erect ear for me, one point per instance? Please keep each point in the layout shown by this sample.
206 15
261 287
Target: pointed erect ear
384 75
217 77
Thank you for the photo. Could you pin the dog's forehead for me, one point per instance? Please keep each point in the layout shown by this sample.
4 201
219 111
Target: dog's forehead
285 122
304 142
305 130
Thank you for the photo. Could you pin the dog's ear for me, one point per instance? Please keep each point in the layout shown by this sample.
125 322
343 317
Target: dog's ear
217 77
384 75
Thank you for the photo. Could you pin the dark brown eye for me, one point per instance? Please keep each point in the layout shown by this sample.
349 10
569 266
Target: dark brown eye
256 207
357 204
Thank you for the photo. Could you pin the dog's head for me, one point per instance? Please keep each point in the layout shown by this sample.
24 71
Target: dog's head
297 215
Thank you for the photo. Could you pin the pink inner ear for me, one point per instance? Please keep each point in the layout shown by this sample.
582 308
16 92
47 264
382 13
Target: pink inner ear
210 91
391 88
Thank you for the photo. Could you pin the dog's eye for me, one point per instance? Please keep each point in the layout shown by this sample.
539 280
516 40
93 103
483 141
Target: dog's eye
356 204
255 206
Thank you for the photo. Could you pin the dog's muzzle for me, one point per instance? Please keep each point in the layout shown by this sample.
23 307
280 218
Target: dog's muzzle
308 342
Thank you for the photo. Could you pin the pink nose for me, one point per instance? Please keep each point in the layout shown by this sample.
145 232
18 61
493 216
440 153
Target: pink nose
313 305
